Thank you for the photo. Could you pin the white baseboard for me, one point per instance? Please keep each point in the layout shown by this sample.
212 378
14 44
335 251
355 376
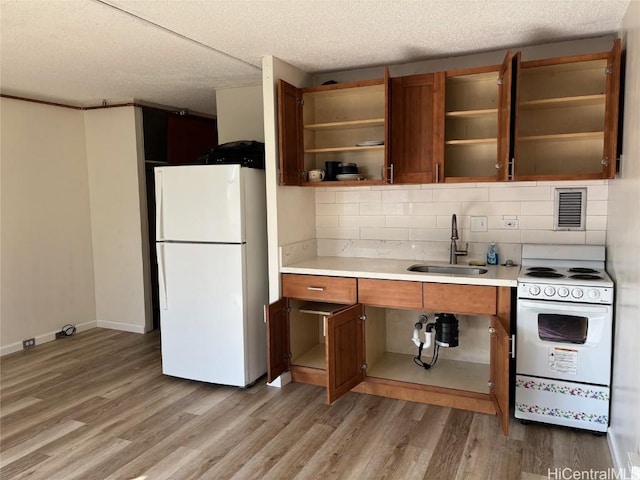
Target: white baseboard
281 381
620 458
44 338
124 327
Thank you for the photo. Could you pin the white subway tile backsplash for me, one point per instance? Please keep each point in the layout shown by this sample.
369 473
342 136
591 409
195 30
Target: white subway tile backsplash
535 222
383 208
461 195
337 209
491 208
596 238
536 208
414 221
598 192
596 222
324 196
407 196
357 196
406 221
362 221
328 221
384 233
520 194
596 207
337 232
550 236
434 208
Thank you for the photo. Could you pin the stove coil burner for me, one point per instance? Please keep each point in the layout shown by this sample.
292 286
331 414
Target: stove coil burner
582 270
541 269
586 276
545 274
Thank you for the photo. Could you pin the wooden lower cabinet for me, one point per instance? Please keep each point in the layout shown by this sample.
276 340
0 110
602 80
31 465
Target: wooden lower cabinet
333 344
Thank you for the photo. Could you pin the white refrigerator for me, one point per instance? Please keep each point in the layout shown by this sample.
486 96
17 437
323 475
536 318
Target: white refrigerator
211 241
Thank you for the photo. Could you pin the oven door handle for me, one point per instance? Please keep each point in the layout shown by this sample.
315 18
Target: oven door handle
568 307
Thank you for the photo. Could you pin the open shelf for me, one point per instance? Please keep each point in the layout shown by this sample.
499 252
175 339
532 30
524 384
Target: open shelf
564 101
563 137
471 141
473 377
343 149
313 358
373 122
484 113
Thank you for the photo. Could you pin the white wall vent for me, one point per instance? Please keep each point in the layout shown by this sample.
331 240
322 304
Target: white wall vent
570 209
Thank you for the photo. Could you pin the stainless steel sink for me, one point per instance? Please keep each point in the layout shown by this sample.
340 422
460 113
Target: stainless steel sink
447 269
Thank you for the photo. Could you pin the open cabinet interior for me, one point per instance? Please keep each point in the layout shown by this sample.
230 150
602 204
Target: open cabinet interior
390 352
307 330
346 124
471 125
561 118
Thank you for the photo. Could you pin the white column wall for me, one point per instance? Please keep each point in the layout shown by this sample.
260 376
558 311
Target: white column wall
115 160
623 232
240 114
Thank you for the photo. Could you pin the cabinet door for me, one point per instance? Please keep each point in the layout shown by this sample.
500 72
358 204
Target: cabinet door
344 351
417 128
290 134
277 318
506 122
611 112
499 371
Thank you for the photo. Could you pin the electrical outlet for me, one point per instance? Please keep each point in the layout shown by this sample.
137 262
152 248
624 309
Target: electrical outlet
478 224
28 343
511 223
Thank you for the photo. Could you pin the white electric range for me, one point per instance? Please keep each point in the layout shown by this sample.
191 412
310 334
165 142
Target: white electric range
564 336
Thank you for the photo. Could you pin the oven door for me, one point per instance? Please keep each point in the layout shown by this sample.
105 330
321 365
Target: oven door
564 341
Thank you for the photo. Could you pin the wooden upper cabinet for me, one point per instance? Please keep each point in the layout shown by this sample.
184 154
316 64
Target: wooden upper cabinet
417 128
290 134
567 116
478 123
343 122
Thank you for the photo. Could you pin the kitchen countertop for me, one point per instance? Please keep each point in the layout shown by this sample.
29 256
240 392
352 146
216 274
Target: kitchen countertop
391 269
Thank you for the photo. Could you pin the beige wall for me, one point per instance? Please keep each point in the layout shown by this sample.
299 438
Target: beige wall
47 267
623 232
240 114
116 166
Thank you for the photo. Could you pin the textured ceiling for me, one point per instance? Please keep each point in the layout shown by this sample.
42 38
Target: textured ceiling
176 53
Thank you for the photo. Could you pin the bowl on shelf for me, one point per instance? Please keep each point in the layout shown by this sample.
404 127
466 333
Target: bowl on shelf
347 168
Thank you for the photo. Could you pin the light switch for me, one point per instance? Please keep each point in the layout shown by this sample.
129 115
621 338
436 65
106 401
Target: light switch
478 224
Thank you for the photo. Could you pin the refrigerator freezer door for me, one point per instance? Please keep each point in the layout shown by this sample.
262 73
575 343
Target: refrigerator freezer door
199 203
203 313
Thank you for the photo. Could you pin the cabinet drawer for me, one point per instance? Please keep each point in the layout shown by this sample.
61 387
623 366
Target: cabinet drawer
315 287
453 298
390 293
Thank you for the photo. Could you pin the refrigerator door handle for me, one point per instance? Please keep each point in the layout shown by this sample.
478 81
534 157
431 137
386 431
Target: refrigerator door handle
159 212
162 283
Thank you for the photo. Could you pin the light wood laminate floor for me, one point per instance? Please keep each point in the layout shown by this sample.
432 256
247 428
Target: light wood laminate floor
96 406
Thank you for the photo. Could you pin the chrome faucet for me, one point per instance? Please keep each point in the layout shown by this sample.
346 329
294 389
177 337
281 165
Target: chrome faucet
454 252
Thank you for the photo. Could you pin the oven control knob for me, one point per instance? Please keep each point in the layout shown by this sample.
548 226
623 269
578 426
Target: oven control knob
593 294
576 293
534 289
549 291
563 292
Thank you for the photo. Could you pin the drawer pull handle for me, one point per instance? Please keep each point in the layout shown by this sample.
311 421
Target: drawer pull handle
316 289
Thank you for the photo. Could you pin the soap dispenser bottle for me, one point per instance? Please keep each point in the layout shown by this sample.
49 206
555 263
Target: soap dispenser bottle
492 254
